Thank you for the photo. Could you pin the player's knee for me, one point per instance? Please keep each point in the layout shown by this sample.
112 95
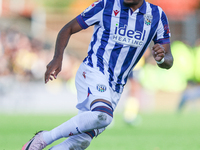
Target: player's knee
104 119
103 111
101 119
104 116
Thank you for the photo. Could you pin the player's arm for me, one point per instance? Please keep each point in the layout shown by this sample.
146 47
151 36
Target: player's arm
54 67
163 56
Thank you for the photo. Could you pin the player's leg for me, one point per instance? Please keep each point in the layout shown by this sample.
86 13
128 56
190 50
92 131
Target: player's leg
99 117
89 104
79 141
96 115
76 142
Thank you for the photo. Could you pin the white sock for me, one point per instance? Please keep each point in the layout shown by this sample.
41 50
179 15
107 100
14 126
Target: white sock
83 122
79 142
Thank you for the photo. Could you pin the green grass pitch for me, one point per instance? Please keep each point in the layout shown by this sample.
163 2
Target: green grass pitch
157 131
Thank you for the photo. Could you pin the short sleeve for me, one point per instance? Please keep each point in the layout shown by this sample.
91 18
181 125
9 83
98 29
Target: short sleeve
163 32
91 15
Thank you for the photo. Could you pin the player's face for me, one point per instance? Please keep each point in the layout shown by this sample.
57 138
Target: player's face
130 3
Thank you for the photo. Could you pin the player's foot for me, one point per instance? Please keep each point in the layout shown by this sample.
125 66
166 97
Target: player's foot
36 143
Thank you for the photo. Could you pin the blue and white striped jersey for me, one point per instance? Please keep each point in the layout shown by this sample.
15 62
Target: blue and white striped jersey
121 36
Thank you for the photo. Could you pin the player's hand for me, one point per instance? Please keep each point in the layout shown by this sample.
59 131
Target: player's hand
53 68
158 52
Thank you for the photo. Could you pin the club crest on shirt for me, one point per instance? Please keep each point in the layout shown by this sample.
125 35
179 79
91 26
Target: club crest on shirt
148 19
101 87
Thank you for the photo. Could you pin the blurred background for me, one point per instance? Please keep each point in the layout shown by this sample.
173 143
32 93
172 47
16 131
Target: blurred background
28 30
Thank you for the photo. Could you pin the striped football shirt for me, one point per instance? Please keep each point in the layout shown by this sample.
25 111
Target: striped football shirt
121 36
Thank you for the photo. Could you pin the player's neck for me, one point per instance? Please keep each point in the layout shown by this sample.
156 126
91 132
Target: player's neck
135 7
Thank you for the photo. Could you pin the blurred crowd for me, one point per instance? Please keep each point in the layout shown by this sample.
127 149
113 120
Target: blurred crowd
25 58
21 56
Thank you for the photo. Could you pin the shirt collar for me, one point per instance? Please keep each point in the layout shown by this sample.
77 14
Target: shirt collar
142 8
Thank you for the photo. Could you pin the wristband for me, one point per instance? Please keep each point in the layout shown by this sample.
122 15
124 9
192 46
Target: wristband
160 62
